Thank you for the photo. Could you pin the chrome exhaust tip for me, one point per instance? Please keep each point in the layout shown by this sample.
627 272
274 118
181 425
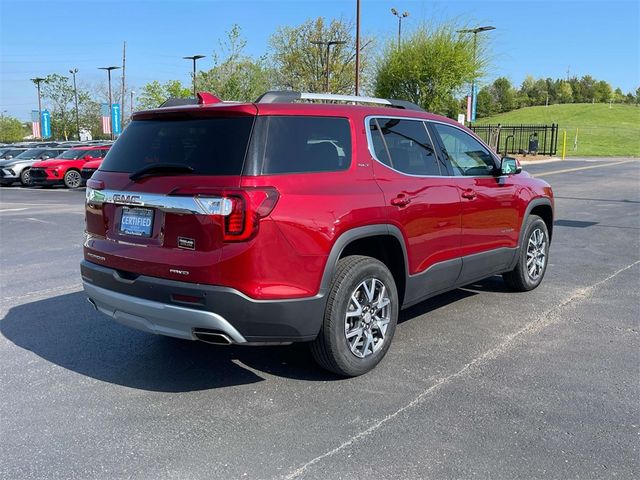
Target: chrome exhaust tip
215 338
93 303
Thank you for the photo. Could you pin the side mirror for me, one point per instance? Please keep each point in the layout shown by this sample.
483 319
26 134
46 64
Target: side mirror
9 157
509 166
46 157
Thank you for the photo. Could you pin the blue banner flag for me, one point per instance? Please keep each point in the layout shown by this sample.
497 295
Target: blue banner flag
46 124
475 101
115 119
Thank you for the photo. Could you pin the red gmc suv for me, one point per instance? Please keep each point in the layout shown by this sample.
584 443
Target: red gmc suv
289 220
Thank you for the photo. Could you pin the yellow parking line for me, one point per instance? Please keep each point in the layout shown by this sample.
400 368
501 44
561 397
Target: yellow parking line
566 170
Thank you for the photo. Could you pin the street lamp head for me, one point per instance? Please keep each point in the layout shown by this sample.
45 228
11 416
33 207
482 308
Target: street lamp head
405 14
108 68
394 11
37 80
194 57
73 71
336 42
477 29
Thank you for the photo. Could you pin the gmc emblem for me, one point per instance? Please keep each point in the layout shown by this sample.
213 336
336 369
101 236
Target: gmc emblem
121 198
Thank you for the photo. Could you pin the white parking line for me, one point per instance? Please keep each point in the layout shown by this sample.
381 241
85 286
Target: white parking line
550 316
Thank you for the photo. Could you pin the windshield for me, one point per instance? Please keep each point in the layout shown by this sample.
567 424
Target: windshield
211 146
31 153
72 154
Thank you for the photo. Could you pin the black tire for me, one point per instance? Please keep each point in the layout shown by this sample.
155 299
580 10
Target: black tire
331 349
521 279
72 179
25 177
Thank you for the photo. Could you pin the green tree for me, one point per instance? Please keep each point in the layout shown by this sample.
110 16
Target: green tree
58 93
503 94
154 93
486 103
234 75
429 67
11 129
301 65
602 92
565 92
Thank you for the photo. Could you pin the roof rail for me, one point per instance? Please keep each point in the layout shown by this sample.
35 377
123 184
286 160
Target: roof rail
287 96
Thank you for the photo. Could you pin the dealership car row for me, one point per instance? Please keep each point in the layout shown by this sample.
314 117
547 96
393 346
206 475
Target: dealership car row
47 164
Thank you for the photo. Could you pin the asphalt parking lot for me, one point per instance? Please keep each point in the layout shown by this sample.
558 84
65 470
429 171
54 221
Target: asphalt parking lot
479 382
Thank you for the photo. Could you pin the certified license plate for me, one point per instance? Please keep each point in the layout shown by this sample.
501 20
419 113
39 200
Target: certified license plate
136 221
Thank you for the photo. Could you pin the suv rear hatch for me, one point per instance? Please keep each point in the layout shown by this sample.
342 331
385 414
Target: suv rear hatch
169 187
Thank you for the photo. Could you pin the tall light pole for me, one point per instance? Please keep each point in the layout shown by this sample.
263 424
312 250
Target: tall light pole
357 46
400 17
194 58
328 45
108 69
475 31
73 72
37 81
131 109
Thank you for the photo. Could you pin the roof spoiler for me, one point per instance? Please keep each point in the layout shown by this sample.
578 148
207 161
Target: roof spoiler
204 98
287 96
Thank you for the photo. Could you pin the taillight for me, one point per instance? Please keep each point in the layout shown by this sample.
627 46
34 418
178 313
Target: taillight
249 205
240 208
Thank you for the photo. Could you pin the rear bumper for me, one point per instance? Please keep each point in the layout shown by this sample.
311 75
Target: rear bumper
150 304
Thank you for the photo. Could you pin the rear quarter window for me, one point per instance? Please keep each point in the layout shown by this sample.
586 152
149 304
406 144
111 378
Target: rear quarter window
304 144
211 146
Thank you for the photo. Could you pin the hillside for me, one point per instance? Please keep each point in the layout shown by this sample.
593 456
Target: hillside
602 131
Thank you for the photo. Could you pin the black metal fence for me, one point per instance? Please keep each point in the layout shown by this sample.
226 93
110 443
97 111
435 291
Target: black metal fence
522 139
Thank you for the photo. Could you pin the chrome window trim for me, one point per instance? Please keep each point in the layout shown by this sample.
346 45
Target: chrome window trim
368 118
167 203
477 139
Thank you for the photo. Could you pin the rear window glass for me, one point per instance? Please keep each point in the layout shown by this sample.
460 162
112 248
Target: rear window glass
296 144
211 146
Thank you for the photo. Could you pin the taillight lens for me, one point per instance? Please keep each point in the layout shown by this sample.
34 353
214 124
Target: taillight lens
249 205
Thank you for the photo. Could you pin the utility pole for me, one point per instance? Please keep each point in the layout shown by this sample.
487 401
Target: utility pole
75 93
131 107
122 91
194 58
108 69
37 81
357 47
328 45
475 32
400 17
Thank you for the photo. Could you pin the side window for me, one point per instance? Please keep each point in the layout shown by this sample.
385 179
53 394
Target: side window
404 145
95 153
467 156
306 144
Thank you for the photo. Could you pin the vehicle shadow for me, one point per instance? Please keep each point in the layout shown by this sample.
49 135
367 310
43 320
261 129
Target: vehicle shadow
66 331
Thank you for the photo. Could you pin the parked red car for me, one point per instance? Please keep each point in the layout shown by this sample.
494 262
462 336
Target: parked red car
279 221
89 169
65 168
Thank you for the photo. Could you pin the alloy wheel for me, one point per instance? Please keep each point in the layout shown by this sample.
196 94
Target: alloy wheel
367 318
536 253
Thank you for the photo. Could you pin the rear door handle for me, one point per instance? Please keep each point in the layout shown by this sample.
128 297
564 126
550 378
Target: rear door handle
401 201
469 194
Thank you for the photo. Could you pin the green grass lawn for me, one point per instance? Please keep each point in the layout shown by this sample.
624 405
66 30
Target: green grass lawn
602 131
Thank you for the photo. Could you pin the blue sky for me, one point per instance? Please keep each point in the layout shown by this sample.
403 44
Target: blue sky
540 38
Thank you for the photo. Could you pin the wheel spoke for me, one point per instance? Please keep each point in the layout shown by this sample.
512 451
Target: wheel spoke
354 332
370 291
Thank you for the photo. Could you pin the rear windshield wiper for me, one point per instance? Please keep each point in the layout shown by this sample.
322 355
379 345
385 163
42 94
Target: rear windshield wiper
159 169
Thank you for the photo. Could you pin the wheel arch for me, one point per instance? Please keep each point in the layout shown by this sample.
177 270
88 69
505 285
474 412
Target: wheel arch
382 242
